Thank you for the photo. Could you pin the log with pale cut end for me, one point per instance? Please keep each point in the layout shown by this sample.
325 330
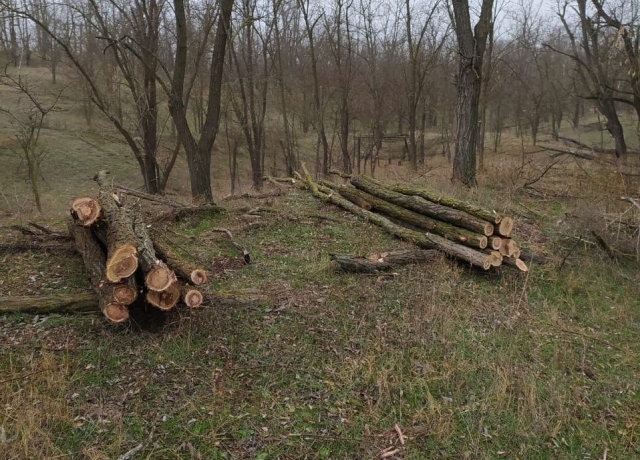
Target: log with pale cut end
505 227
495 242
451 232
496 259
385 261
198 276
508 248
85 210
517 253
164 300
116 312
422 206
122 262
184 266
518 264
191 297
158 276
94 261
480 213
424 240
126 292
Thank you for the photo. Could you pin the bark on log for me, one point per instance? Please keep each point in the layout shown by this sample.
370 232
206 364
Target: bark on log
422 206
158 276
518 264
184 268
480 213
94 262
85 210
85 302
424 240
164 300
448 231
122 259
383 262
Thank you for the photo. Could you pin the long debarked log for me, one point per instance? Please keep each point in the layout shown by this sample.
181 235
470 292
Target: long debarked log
385 261
422 206
448 231
94 262
122 258
424 240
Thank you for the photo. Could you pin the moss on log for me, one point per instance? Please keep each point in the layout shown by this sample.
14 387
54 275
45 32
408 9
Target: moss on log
422 206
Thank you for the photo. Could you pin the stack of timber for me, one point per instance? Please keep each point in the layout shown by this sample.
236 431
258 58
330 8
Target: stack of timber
125 265
458 229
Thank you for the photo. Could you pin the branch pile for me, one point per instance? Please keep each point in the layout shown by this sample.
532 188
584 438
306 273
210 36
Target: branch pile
459 229
123 261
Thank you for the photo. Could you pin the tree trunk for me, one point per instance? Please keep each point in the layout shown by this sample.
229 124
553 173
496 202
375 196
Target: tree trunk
471 46
85 302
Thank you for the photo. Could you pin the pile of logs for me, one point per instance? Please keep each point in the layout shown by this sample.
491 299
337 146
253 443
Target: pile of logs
431 221
123 261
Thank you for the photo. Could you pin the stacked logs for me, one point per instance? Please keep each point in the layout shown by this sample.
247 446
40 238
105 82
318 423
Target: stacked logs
432 221
122 260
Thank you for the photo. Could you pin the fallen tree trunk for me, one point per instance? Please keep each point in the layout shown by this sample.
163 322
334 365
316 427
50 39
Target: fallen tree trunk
84 302
424 240
518 264
422 206
158 276
383 262
94 262
164 300
448 231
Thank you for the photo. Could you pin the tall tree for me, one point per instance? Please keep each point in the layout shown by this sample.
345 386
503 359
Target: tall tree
471 47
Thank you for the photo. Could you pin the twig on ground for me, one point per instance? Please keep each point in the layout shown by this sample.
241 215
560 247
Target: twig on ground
131 453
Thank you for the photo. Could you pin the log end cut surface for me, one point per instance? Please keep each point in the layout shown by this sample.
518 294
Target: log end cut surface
505 227
160 277
122 263
125 294
198 277
164 300
86 210
116 312
192 298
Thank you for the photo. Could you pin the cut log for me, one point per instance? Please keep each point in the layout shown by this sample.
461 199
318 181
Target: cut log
94 262
122 259
158 276
518 264
495 242
164 300
480 213
509 247
424 240
422 206
383 262
505 227
126 292
85 210
84 302
182 266
448 231
191 297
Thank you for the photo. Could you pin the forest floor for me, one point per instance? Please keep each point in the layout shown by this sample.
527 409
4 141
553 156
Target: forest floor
439 361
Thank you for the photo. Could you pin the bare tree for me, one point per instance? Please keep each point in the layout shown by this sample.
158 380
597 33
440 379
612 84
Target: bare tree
471 47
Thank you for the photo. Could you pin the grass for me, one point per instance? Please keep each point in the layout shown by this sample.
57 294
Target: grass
463 364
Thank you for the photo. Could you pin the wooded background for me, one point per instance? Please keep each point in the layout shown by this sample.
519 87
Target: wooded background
257 78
